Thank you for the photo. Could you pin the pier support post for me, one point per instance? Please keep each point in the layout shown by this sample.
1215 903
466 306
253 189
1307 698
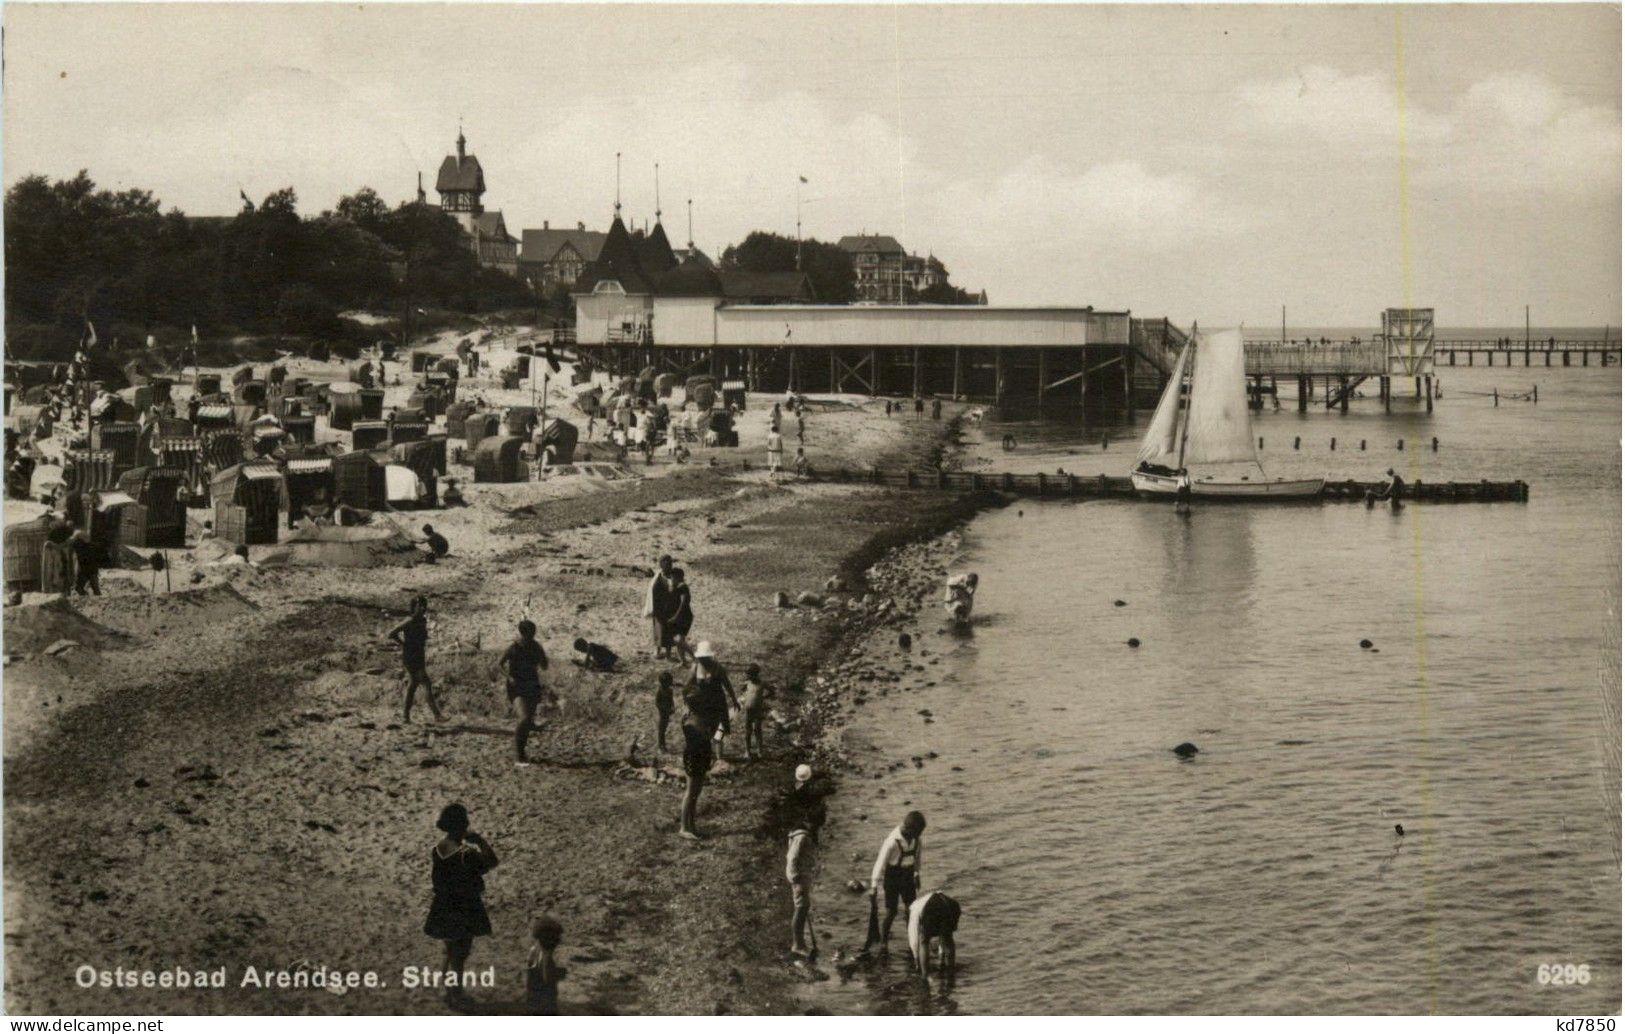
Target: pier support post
1469 357
1585 358
1418 387
1386 384
1343 392
1305 389
1083 385
1526 357
1565 359
1428 387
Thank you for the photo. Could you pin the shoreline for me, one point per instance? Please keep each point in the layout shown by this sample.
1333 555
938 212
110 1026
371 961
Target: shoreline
232 752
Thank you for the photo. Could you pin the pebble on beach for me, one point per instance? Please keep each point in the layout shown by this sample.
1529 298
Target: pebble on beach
1365 644
1133 642
1119 603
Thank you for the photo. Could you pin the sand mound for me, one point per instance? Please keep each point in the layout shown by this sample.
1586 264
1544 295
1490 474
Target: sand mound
149 614
366 546
31 629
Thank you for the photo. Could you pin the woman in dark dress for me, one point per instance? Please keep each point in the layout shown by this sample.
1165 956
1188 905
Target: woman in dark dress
457 915
657 605
681 617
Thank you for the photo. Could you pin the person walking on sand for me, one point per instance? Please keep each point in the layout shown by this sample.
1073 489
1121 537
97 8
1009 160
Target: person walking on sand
799 867
753 702
457 913
775 452
681 617
523 663
657 606
896 873
707 696
413 635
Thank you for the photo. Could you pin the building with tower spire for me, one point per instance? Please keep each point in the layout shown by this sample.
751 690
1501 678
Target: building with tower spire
461 186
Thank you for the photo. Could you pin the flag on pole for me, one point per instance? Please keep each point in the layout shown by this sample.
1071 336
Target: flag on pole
194 334
90 334
244 195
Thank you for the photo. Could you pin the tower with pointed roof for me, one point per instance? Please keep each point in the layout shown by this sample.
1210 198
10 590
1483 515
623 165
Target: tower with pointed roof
461 186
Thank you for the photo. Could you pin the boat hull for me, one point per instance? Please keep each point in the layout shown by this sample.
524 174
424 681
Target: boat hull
1213 489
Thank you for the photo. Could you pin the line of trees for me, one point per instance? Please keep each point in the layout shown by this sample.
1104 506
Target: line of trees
828 267
74 252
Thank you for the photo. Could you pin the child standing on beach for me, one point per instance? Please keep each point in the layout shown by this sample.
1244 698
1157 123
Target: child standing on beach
753 701
664 705
542 974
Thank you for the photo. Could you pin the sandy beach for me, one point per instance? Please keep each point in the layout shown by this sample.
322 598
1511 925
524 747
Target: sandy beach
218 775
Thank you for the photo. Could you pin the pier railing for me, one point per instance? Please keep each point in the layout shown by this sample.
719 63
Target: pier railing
1271 358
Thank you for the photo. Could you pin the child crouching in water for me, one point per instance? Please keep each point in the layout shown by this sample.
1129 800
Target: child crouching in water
542 974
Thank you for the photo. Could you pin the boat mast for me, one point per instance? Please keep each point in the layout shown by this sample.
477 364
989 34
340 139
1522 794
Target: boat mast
1185 428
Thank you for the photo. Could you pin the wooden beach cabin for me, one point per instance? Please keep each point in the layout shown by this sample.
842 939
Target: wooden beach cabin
248 502
358 481
519 420
401 431
24 549
480 426
344 401
206 384
372 403
559 437
153 518
419 457
369 434
121 439
497 460
311 483
456 413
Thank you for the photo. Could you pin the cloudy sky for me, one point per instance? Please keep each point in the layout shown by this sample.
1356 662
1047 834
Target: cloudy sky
1201 162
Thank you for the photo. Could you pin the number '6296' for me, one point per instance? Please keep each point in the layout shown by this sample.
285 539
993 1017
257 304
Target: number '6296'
1563 974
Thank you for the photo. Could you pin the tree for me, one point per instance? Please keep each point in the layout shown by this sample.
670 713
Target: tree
365 209
827 266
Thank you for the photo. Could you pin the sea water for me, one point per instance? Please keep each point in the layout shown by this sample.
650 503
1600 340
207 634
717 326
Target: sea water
1100 873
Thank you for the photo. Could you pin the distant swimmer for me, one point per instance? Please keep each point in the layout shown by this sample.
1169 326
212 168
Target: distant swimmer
933 919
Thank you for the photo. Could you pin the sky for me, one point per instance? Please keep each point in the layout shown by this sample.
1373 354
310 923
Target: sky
1211 162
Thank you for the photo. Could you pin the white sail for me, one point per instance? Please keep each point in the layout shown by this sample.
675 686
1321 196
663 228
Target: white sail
1161 444
1219 426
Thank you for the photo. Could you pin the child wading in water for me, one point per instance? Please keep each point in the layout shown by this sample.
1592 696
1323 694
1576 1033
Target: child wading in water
664 706
542 974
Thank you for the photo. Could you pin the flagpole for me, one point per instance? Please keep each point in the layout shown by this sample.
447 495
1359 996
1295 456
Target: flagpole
799 179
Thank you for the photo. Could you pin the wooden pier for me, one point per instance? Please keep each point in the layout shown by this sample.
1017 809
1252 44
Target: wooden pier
1073 486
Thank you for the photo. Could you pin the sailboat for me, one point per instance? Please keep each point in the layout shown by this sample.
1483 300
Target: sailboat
1214 426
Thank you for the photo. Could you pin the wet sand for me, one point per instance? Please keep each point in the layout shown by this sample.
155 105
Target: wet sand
218 776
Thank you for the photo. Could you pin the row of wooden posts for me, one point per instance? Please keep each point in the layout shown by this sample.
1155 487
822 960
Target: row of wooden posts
1060 486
